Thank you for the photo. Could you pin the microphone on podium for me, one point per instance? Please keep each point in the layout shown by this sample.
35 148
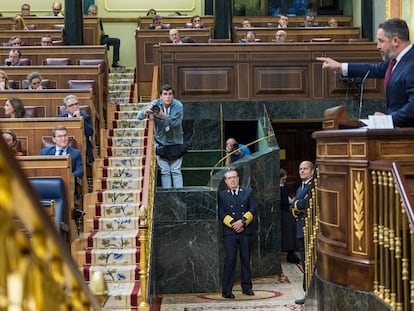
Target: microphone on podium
361 95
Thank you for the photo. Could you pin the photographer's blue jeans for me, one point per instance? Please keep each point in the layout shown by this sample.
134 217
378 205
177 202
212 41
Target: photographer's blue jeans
171 176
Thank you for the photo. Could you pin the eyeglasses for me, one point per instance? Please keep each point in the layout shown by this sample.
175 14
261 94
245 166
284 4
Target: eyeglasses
74 104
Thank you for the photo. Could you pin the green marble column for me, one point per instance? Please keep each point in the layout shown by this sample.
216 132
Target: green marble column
223 15
73 23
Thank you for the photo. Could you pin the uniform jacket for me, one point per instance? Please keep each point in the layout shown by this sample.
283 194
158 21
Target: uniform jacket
400 87
75 158
234 207
301 202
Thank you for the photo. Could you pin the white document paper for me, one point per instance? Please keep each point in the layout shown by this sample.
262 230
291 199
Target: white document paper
378 122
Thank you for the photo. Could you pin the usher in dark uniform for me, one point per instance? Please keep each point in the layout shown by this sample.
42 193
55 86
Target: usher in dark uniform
232 207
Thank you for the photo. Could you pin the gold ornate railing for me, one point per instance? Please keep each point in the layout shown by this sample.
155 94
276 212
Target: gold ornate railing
36 268
390 188
146 208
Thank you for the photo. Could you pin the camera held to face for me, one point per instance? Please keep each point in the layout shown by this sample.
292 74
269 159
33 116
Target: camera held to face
234 147
155 109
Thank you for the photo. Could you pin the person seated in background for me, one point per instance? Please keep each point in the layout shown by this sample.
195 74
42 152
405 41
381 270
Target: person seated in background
283 21
46 41
175 37
14 58
19 23
61 140
57 9
196 22
35 81
332 22
151 12
280 36
241 151
250 37
4 81
11 139
246 23
71 103
157 23
14 108
15 41
25 10
309 21
105 39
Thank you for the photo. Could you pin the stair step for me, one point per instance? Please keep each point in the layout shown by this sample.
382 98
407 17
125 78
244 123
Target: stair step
115 223
117 210
113 273
125 132
122 142
122 172
119 196
123 161
119 239
105 257
124 152
129 123
130 106
118 183
122 295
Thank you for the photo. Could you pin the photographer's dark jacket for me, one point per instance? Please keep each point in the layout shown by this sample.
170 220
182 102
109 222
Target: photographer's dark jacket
169 131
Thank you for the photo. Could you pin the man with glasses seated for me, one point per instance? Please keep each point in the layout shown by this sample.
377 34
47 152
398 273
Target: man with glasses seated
72 109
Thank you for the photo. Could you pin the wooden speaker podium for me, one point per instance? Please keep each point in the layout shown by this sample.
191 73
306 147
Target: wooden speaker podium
346 160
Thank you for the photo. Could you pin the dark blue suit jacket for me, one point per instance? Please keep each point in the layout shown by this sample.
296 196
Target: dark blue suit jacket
235 206
88 130
301 202
75 158
400 86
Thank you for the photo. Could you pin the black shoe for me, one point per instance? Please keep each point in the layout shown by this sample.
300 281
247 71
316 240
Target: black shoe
293 259
248 292
228 295
300 301
117 65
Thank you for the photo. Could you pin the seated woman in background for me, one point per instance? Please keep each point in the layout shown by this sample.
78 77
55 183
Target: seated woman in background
151 12
4 81
19 23
10 138
14 108
35 81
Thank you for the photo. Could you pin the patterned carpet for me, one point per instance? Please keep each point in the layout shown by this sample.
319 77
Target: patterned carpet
271 293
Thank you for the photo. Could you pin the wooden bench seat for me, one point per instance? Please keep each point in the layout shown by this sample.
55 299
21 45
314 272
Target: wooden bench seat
300 34
30 37
62 74
31 132
75 53
51 166
145 40
91 28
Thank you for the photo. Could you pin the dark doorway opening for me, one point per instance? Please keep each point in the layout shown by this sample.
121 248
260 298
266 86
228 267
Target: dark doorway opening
244 132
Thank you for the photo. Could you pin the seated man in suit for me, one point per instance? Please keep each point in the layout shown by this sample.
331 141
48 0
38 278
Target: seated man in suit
14 58
309 21
105 39
157 23
71 103
61 140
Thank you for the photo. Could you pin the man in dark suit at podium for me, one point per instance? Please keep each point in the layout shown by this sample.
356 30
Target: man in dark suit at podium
237 209
299 206
397 70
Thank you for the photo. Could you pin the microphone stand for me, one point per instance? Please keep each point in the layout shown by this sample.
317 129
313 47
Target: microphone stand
362 94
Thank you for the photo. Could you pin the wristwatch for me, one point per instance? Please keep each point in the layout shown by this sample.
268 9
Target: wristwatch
243 221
